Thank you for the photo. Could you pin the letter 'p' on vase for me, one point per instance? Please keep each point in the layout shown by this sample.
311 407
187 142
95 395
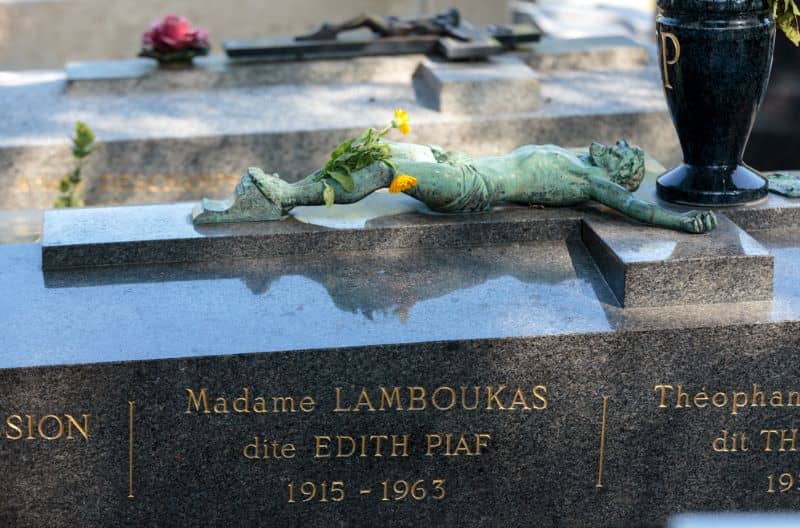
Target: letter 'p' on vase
715 58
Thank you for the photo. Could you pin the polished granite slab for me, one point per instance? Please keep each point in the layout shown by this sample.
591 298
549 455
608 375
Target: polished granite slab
535 288
124 343
165 233
653 267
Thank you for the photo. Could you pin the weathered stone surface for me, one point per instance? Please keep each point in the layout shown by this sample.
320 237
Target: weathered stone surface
500 85
591 53
167 147
217 72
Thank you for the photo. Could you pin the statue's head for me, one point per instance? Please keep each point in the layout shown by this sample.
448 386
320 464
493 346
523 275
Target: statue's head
624 163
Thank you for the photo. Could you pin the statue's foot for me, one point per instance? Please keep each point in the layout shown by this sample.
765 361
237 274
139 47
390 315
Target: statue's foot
248 203
698 222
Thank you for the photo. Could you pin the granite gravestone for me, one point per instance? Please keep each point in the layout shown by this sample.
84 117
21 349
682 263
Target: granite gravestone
161 137
377 364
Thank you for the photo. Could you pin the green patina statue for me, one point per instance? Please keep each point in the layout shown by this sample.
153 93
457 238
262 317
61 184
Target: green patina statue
451 182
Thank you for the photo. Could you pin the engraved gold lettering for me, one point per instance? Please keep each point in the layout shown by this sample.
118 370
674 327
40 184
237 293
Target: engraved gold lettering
665 60
682 398
738 401
729 442
734 401
260 405
308 404
268 449
363 401
476 393
241 404
47 427
788 438
662 403
416 396
221 406
519 400
700 400
72 422
197 401
340 452
442 398
339 407
540 394
391 399
758 395
322 446
492 396
15 426
42 427
402 443
286 404
456 445
435 398
433 441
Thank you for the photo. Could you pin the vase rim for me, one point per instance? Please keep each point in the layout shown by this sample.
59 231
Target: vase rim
715 6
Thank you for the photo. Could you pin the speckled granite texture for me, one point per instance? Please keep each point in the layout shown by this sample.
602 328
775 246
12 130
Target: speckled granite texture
535 311
591 53
500 86
655 267
217 72
530 315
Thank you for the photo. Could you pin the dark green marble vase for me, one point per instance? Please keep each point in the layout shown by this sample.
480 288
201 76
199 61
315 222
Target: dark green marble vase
715 58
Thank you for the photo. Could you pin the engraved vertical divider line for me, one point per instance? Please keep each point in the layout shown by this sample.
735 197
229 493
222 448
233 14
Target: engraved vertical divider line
602 444
130 449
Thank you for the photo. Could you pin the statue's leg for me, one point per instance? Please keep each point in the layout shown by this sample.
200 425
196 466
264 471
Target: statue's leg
310 192
448 188
247 203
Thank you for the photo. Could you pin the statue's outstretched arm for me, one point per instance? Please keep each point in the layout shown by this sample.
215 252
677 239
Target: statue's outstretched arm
619 198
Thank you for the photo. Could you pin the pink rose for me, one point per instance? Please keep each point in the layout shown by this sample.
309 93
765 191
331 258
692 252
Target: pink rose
175 33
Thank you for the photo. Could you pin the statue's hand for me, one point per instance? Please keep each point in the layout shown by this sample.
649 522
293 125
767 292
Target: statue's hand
698 221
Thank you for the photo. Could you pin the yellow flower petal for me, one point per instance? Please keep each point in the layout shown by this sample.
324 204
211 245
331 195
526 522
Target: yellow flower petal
402 182
402 121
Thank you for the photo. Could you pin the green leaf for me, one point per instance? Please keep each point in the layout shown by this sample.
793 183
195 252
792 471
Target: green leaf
80 152
344 179
63 186
83 135
787 21
342 148
75 176
329 195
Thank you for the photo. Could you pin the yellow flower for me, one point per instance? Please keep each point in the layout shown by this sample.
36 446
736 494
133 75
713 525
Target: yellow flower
402 121
402 182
